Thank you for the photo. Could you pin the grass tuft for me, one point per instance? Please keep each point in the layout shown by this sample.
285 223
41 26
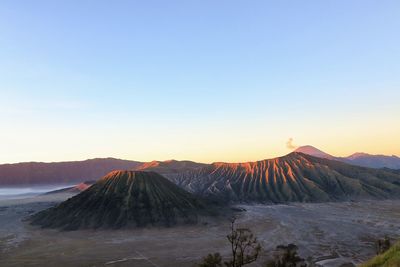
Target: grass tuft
390 258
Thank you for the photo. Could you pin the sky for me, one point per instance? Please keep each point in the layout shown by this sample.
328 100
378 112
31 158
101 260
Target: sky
199 80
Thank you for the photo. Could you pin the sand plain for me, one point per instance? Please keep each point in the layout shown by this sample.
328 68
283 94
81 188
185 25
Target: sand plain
330 233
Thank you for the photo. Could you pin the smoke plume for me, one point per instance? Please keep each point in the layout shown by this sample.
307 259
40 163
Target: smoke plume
290 145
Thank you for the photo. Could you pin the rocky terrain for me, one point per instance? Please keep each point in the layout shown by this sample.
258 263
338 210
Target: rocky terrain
125 199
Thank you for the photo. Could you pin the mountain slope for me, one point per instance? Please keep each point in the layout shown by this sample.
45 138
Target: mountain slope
125 199
34 173
295 177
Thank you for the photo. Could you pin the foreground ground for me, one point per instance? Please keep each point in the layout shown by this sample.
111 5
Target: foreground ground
332 233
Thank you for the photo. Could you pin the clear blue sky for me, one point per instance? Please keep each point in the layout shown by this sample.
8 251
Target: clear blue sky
200 80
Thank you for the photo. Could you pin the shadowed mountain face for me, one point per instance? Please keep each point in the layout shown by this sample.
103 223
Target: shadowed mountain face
359 159
295 177
34 173
125 199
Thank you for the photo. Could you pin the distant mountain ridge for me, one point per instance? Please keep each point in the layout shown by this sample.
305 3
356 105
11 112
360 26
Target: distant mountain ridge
69 172
359 158
74 172
374 161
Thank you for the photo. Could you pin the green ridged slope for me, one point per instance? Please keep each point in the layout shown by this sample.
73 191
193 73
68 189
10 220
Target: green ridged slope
125 199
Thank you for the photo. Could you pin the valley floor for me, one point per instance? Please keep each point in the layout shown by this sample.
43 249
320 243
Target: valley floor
330 232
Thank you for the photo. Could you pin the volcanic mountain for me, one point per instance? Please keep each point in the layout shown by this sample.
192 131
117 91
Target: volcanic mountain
313 151
125 199
294 177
